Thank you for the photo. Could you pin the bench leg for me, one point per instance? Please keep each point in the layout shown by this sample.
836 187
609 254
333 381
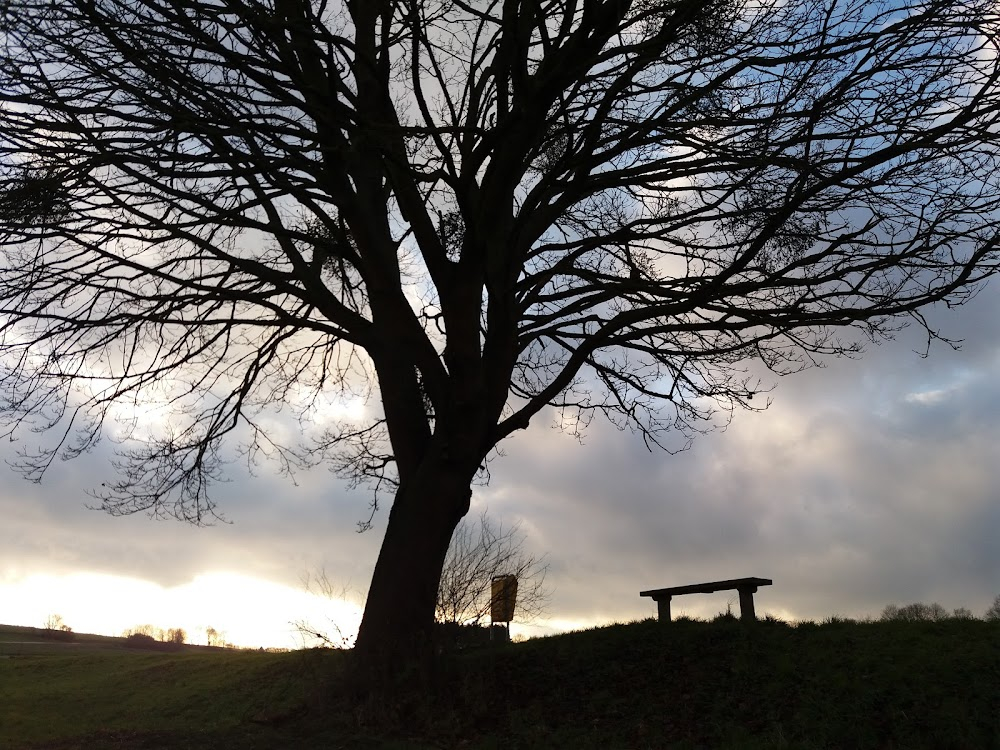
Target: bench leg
746 603
663 609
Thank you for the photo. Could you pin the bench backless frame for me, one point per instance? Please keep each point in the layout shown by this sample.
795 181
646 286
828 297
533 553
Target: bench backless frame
746 587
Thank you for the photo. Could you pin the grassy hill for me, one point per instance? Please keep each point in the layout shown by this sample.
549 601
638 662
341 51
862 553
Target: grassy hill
642 685
19 640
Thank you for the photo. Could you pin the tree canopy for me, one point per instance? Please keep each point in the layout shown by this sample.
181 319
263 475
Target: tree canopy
463 212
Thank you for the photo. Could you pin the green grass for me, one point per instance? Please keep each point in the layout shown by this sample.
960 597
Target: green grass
18 640
642 685
906 685
44 698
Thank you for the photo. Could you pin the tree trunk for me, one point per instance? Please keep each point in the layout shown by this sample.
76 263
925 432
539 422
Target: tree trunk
398 624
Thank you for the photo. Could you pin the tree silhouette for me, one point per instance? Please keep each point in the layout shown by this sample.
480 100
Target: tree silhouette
176 636
479 551
916 612
992 613
464 212
56 622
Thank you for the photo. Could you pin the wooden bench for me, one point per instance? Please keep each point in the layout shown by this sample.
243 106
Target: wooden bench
746 586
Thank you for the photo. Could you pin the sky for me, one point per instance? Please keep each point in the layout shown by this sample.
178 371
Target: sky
868 482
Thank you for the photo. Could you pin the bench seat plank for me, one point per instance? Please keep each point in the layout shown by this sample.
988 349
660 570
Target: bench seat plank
707 588
746 586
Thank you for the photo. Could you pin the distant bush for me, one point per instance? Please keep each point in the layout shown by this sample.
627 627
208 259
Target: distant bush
176 635
993 613
63 634
838 620
916 612
213 637
56 629
146 641
151 631
962 613
726 616
456 636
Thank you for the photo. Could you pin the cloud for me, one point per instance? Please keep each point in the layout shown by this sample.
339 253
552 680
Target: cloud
277 530
867 482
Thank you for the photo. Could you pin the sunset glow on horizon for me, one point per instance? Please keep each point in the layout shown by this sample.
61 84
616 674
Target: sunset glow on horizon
245 612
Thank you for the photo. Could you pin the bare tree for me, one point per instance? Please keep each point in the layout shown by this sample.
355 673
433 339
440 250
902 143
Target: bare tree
479 551
330 634
916 612
176 636
56 622
465 211
147 631
993 611
214 637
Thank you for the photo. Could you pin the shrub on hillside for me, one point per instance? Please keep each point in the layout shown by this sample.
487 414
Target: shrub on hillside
993 613
140 639
56 629
726 616
176 635
916 612
63 634
770 619
839 620
146 641
456 636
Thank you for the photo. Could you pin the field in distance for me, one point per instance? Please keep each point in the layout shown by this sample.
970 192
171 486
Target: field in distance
19 640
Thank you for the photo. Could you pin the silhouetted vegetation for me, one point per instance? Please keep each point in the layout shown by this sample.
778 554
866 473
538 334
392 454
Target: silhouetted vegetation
150 634
56 629
213 637
56 622
920 612
330 634
480 550
457 636
176 636
993 612
149 643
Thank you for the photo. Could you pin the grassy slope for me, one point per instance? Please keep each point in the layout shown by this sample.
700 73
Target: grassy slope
45 697
919 685
18 640
718 685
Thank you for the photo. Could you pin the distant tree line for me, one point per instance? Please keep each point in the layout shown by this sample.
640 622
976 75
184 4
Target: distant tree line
934 612
176 636
149 636
56 622
56 628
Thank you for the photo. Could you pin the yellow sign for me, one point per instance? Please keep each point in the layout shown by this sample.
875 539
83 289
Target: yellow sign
504 593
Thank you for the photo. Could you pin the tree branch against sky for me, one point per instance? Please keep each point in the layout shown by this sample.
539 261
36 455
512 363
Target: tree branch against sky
480 551
464 212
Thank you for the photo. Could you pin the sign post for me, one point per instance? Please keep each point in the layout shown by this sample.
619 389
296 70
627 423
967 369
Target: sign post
503 594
